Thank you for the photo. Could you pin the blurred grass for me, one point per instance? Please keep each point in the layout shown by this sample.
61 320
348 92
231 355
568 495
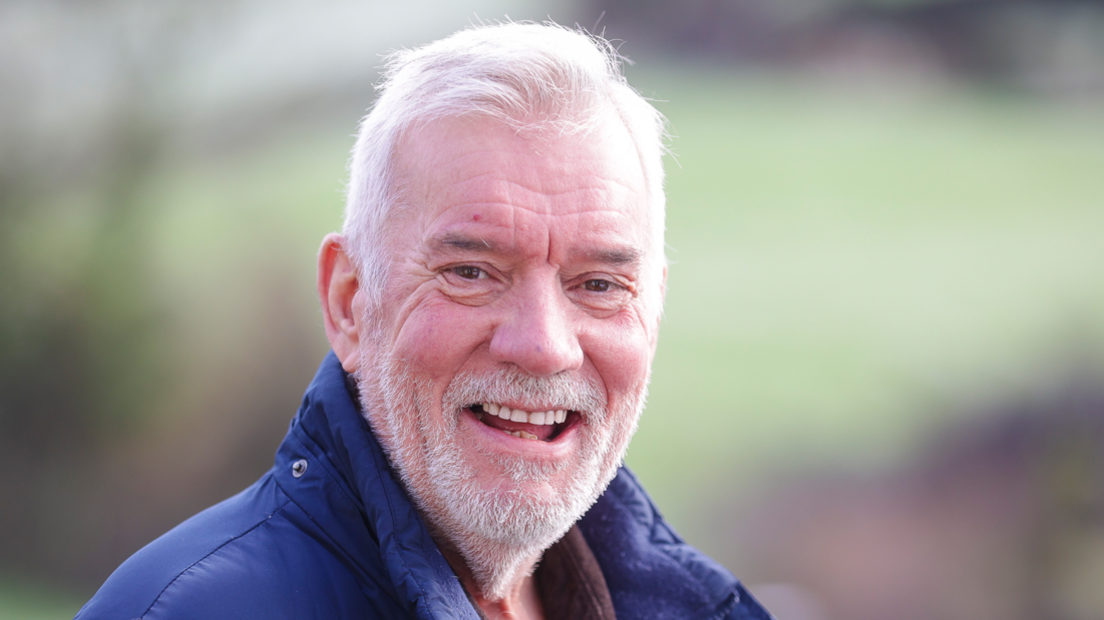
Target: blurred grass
23 601
846 268
850 267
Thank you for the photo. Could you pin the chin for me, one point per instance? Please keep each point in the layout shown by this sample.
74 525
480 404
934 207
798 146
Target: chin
501 514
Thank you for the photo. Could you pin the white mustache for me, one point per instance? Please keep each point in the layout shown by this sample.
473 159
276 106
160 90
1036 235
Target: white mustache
560 391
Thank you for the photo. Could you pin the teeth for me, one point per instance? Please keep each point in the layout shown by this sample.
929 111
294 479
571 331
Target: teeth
540 418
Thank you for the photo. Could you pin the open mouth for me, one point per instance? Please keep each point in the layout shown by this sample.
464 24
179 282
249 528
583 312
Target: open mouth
531 425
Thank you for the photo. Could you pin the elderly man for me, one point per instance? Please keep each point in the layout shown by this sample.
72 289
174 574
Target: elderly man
493 307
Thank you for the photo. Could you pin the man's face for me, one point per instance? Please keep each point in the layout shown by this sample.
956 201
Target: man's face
522 276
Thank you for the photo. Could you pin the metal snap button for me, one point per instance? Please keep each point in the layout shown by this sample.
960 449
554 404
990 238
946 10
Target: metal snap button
298 468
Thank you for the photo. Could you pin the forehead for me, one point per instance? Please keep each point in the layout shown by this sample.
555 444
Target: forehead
480 180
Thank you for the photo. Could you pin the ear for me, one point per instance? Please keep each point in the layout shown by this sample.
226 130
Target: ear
338 290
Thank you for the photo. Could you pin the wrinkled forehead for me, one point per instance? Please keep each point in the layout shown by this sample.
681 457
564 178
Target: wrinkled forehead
534 166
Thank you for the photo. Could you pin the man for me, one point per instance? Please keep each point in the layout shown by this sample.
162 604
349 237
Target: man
493 307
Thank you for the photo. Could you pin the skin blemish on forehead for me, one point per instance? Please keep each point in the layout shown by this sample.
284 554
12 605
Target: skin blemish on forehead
476 217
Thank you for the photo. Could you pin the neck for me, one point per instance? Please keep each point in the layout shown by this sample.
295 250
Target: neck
521 602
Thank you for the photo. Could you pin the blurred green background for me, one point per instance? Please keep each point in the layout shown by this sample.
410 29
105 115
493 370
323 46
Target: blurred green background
878 387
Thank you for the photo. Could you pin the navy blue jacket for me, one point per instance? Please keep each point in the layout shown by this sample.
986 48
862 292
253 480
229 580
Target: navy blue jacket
341 540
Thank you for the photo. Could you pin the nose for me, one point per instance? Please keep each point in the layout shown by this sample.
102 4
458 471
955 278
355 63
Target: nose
537 331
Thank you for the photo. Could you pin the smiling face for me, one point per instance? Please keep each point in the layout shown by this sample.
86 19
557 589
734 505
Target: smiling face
506 366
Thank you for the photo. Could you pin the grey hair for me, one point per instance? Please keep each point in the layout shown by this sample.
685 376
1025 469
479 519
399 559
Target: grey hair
532 77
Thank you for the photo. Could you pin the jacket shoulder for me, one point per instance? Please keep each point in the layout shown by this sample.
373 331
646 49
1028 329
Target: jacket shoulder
222 563
137 585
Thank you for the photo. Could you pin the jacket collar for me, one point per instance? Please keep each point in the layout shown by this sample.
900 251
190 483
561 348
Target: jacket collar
362 506
350 490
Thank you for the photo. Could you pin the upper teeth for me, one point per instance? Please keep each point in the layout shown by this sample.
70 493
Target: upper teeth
517 415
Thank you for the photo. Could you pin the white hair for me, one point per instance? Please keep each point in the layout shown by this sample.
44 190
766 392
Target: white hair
531 77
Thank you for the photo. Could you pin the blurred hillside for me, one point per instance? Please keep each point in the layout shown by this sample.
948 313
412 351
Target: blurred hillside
878 243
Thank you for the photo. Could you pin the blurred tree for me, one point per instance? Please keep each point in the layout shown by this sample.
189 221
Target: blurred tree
80 355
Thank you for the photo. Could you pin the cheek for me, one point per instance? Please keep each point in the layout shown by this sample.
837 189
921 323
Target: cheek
621 353
437 338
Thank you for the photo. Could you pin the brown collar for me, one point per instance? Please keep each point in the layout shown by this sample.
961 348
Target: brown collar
570 582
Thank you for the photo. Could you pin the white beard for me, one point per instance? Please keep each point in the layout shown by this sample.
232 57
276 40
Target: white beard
499 529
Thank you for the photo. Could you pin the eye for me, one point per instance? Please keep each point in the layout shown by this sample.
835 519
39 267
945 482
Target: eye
469 272
602 293
469 284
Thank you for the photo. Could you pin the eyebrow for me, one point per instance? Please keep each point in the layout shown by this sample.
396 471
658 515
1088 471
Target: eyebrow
617 257
456 241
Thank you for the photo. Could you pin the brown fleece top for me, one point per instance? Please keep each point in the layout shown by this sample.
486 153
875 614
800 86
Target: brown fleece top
570 582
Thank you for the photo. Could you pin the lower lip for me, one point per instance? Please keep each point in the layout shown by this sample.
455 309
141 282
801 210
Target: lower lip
558 448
